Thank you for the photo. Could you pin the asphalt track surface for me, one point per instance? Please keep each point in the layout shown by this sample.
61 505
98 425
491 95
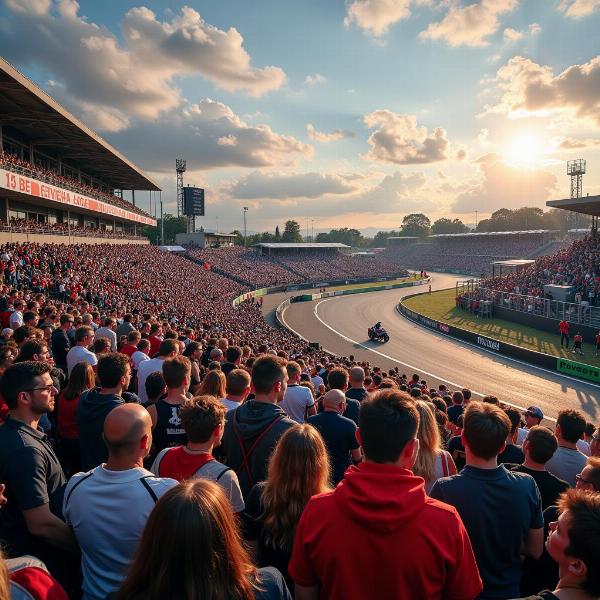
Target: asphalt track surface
340 326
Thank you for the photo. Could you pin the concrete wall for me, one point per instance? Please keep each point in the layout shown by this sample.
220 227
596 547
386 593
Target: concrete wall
42 238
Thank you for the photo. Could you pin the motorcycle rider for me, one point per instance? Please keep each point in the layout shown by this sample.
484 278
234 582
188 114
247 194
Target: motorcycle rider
378 330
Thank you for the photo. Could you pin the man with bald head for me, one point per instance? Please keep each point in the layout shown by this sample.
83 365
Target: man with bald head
108 506
356 383
338 432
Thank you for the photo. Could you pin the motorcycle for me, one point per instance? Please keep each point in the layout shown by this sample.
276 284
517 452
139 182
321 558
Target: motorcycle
382 336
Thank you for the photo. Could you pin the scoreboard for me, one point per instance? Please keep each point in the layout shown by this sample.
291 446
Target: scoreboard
193 201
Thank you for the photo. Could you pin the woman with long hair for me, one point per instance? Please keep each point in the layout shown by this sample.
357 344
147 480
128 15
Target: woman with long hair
82 379
432 461
213 384
193 351
299 468
193 525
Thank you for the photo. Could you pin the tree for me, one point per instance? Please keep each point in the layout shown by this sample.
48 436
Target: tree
173 226
415 224
291 233
380 239
277 234
350 237
445 225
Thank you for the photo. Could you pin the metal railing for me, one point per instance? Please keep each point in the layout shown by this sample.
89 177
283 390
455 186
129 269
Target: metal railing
74 232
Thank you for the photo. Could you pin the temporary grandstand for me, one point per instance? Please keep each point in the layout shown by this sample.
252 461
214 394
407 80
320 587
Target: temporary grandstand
588 205
277 249
57 176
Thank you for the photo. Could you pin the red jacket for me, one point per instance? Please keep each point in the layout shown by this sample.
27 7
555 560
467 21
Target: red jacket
563 327
377 535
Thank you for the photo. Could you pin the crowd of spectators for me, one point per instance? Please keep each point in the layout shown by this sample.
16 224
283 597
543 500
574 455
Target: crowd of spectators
32 226
159 443
11 162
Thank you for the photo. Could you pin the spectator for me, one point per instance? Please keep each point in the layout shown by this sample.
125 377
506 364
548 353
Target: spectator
32 517
79 352
126 327
133 339
512 454
253 429
167 349
156 388
298 402
27 578
60 341
539 447
203 420
589 478
16 318
141 354
563 327
501 509
337 379
107 507
94 405
533 416
233 357
380 506
338 433
568 461
237 388
108 331
573 543
213 384
155 338
432 462
205 552
456 408
595 443
356 381
298 470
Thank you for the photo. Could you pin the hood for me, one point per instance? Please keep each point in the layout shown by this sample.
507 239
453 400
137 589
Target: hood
380 497
93 404
252 417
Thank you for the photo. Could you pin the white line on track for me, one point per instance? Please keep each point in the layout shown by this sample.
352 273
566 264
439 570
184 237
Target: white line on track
419 369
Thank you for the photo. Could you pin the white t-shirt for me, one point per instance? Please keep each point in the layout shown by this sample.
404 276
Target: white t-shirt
79 354
137 357
144 369
583 447
296 400
16 319
317 380
229 404
107 333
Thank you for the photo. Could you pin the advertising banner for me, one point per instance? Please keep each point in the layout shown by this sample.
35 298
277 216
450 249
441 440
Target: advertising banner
570 367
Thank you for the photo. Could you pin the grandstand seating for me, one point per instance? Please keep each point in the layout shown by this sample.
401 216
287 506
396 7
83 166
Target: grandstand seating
63 229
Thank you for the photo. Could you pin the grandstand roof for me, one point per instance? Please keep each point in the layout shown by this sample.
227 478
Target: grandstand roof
519 262
492 233
50 127
588 205
317 245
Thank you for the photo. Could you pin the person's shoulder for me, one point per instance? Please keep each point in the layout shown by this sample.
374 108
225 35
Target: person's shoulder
439 510
78 479
158 484
272 585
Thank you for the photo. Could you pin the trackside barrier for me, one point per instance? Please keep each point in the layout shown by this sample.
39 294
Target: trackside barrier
539 359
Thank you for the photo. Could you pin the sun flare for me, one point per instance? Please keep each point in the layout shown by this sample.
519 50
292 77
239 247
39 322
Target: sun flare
525 149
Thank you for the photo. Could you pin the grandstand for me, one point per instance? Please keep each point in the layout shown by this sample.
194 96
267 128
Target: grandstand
58 177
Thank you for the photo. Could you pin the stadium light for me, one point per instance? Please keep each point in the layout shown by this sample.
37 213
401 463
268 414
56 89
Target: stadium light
245 211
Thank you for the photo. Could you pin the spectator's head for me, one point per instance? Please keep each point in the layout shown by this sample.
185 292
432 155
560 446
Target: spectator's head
134 337
238 384
485 429
334 400
429 438
570 426
30 318
84 336
595 443
33 350
168 348
66 321
514 416
294 371
82 378
155 386
128 434
491 400
114 371
540 445
269 378
23 334
466 392
574 541
213 384
27 388
533 416
144 346
101 345
194 526
589 478
177 372
337 379
216 355
203 419
233 354
356 377
457 398
388 424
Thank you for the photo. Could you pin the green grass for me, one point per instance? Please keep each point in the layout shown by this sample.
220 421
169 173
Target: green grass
441 306
357 286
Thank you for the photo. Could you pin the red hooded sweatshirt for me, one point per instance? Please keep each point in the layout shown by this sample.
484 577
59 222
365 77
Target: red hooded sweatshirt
378 535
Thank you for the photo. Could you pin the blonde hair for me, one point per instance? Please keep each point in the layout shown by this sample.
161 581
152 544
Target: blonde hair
298 469
430 442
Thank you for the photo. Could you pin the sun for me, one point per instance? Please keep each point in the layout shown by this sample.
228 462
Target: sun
525 149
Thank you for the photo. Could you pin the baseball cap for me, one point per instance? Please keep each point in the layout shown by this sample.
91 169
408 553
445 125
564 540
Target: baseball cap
535 411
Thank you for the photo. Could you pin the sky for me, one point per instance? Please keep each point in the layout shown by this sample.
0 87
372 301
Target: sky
343 113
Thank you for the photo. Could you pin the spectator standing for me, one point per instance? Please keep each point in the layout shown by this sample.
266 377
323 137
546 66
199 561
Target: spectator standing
356 381
568 461
253 429
298 402
133 339
512 454
83 339
337 379
141 354
539 447
233 358
563 327
206 529
60 342
108 507
126 327
589 478
203 420
533 416
114 373
155 338
167 349
16 317
381 506
456 408
501 509
108 331
237 388
338 433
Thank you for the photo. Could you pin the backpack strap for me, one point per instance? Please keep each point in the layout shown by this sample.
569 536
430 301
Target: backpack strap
148 488
223 473
75 485
247 453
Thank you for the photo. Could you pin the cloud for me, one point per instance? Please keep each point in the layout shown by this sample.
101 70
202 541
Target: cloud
315 79
257 185
117 80
469 25
461 154
209 135
504 186
528 89
576 144
325 138
376 16
397 139
576 9
512 35
534 28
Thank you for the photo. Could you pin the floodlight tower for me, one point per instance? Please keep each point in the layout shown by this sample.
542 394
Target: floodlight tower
576 169
180 168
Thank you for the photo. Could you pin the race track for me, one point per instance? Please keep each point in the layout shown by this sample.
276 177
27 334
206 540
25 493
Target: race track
340 325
